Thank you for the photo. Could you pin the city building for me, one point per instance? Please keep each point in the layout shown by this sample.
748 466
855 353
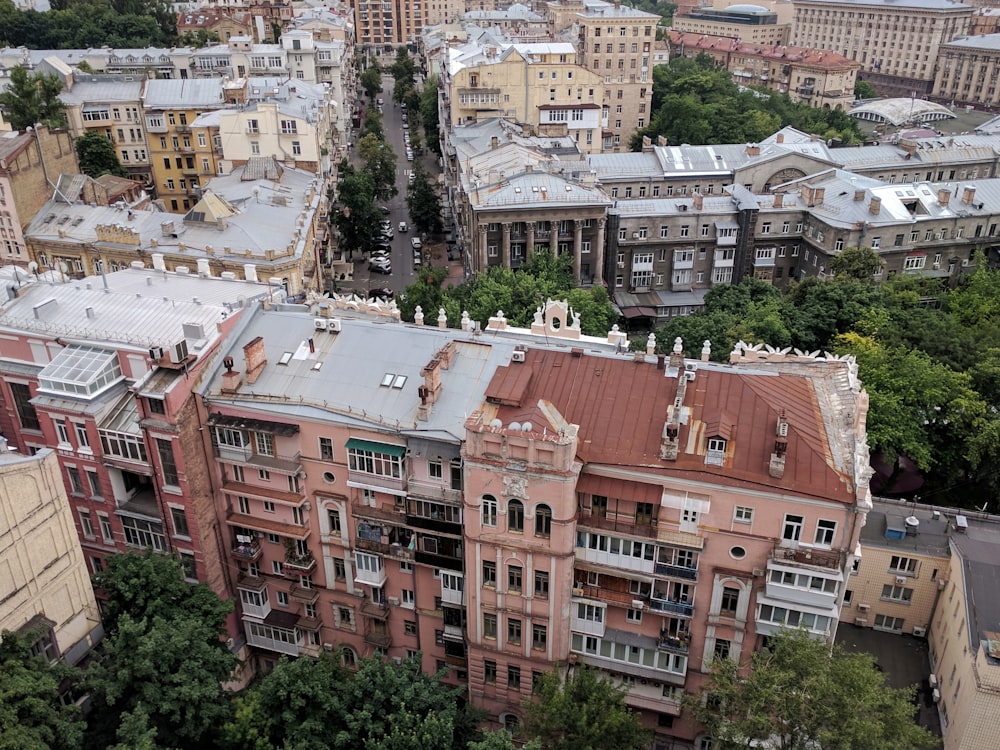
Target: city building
897 43
818 78
27 161
753 24
223 24
967 71
111 107
263 220
47 591
538 85
615 41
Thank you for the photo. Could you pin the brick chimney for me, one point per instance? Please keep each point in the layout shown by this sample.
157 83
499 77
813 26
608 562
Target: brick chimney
698 201
753 149
779 200
944 196
776 467
859 195
780 138
968 195
253 353
908 146
875 206
231 380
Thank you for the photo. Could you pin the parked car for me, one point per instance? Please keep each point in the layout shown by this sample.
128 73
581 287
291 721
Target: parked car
402 226
409 155
382 292
415 243
418 257
377 267
384 209
412 178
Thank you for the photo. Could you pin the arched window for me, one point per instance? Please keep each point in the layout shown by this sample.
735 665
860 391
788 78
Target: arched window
510 722
348 657
488 511
515 516
543 520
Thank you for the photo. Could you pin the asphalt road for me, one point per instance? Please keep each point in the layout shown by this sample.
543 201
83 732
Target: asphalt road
404 272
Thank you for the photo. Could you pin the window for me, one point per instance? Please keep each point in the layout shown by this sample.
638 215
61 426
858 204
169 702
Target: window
410 627
513 630
139 533
490 574
374 462
21 395
87 524
168 466
434 468
730 600
277 567
263 442
825 532
722 648
894 593
543 520
180 522
339 569
333 520
884 622
407 598
488 511
541 584
325 449
95 484
514 573
268 506
62 432
107 534
75 484
539 637
792 530
515 516
590 612
906 565
489 671
743 514
633 615
80 430
514 676
490 626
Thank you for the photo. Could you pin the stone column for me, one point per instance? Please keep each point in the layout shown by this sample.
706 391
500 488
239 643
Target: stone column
577 248
505 257
554 237
483 260
531 239
599 252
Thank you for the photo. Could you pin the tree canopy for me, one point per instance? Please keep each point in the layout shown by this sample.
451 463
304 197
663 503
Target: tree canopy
797 695
89 23
424 202
583 711
371 81
97 155
33 98
695 102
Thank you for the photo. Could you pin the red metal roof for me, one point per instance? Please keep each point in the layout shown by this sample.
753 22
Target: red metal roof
621 407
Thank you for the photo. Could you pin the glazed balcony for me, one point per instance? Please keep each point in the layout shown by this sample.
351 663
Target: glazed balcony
821 558
621 523
677 571
683 609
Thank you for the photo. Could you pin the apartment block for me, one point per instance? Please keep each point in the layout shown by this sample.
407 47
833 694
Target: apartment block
818 78
897 43
47 584
967 71
225 24
751 24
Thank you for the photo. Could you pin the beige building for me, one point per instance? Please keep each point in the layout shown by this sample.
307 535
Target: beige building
896 43
967 71
540 85
47 587
748 23
616 42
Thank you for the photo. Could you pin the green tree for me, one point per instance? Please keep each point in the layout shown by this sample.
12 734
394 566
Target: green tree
31 715
372 125
97 155
502 740
429 113
371 82
32 99
860 263
357 218
424 202
403 66
165 658
798 696
380 162
584 710
864 90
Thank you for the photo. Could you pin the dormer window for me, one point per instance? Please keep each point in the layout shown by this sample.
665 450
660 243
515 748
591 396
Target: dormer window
716 451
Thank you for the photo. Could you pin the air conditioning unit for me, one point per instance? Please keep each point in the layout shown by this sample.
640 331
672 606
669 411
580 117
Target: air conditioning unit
932 680
638 604
334 325
758 572
397 660
900 580
861 622
577 592
919 631
393 601
359 593
643 681
328 646
635 235
936 695
937 266
965 263
517 356
179 352
156 353
229 642
864 607
657 684
320 324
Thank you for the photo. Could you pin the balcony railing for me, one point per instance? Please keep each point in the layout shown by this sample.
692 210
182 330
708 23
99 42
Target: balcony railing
614 597
808 556
673 608
439 561
373 609
432 524
433 490
303 561
677 571
303 594
380 639
251 551
396 551
390 515
624 524
674 645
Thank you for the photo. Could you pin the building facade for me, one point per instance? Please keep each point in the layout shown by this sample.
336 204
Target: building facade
753 24
967 71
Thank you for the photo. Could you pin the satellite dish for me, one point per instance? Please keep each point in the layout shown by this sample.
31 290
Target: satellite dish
496 424
515 425
526 427
32 267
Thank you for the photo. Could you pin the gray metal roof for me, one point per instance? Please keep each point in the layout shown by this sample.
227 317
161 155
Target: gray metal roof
932 537
982 41
99 92
537 190
979 549
899 110
187 93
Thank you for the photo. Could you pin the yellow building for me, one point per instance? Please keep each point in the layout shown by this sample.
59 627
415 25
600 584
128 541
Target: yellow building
535 84
177 156
46 584
968 70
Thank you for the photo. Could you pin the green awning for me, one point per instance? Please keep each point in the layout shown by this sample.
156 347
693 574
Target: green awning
372 447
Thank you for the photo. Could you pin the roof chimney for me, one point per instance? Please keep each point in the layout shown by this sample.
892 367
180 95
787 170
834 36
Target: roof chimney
753 149
255 358
231 380
968 195
779 199
944 196
875 206
698 200
494 142
780 138
776 467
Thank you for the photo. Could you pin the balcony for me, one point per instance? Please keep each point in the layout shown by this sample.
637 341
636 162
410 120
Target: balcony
439 561
380 638
301 561
623 598
264 493
250 551
677 571
621 523
375 513
805 91
434 490
302 594
290 530
455 660
673 645
808 556
395 551
288 464
374 609
432 524
276 633
681 609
